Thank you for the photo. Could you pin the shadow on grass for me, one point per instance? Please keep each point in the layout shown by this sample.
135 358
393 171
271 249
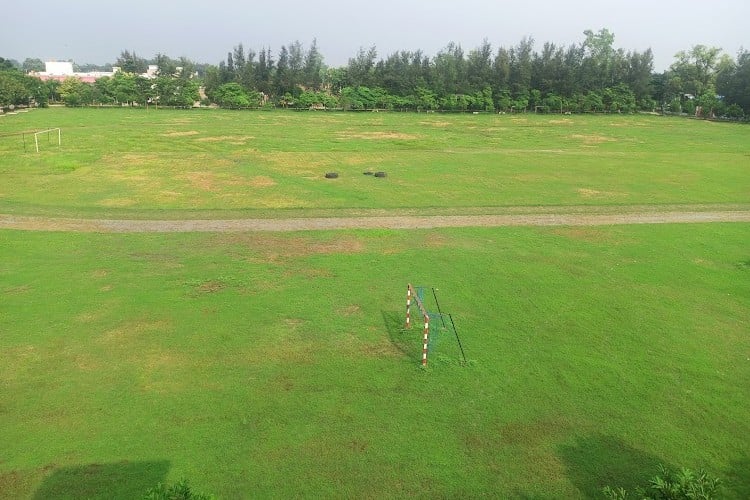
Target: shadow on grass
112 481
738 477
596 461
406 341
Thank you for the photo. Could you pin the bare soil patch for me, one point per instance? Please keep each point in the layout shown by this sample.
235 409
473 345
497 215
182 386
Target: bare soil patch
592 140
231 139
378 136
261 181
181 134
593 193
303 246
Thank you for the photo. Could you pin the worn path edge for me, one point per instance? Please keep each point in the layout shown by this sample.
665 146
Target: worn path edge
35 223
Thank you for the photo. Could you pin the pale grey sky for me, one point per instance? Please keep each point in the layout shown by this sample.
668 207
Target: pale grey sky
90 31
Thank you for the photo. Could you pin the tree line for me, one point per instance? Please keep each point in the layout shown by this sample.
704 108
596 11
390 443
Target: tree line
590 76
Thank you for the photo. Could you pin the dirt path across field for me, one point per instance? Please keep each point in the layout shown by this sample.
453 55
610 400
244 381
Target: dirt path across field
33 223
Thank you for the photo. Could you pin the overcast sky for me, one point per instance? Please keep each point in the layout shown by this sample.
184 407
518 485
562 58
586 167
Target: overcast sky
90 31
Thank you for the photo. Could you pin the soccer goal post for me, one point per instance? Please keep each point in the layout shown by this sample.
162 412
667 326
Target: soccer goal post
50 133
411 294
436 324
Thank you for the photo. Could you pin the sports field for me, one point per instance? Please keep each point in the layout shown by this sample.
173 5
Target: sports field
275 364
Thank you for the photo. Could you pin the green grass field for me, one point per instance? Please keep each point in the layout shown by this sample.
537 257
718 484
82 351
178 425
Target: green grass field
276 365
145 164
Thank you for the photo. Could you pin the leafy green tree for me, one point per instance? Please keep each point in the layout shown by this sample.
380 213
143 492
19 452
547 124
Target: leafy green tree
479 68
619 99
211 81
8 64
165 65
449 71
313 67
125 88
32 65
694 70
103 91
709 103
733 82
74 92
282 77
521 68
12 89
425 99
600 59
264 72
232 95
131 63
296 67
310 99
246 76
640 67
361 69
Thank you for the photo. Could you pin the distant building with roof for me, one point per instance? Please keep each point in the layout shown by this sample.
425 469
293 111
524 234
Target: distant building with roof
60 70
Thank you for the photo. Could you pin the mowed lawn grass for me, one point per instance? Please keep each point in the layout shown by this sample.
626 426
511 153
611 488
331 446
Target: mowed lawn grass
210 163
275 365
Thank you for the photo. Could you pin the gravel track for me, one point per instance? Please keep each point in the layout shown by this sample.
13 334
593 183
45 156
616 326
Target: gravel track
33 223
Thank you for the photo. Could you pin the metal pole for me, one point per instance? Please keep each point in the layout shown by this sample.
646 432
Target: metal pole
458 339
438 306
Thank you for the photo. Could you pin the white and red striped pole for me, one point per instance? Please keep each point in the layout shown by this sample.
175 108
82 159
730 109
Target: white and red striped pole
408 306
425 339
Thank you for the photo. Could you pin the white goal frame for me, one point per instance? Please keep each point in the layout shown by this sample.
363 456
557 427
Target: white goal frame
59 136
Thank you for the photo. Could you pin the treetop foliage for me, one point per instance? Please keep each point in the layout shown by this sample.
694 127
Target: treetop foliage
591 76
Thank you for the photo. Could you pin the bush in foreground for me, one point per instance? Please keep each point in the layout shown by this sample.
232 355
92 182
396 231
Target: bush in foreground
669 485
178 491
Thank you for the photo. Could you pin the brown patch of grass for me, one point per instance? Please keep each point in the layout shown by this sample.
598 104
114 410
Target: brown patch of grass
531 434
180 133
211 286
310 273
288 347
294 322
116 202
437 124
274 247
13 290
87 363
261 181
435 240
21 484
134 329
378 136
350 310
562 121
236 140
89 316
284 381
107 288
99 273
307 165
200 180
588 234
592 140
593 193
383 349
376 346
